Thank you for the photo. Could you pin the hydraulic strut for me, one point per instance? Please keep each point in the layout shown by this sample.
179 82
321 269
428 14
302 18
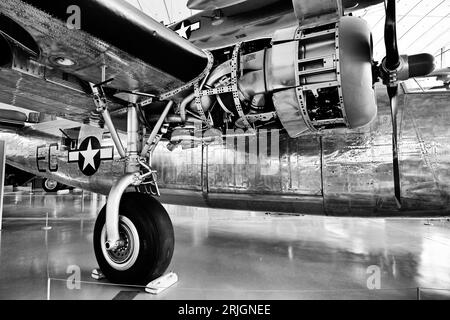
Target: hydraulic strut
102 106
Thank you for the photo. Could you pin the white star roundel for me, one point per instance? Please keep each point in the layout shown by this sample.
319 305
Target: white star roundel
89 155
186 28
183 31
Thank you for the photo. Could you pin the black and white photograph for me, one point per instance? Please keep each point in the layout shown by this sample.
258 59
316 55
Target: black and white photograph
223 155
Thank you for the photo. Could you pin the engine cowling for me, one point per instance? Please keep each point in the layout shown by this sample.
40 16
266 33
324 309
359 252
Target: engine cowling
321 77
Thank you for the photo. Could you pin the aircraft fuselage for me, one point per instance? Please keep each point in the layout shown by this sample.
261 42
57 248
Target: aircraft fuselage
345 173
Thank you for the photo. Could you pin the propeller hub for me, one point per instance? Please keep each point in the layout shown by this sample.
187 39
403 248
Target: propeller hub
418 65
391 77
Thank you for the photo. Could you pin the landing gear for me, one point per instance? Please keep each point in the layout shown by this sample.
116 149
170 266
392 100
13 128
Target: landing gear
133 235
147 241
51 185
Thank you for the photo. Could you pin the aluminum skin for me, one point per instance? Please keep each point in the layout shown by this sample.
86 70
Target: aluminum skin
339 173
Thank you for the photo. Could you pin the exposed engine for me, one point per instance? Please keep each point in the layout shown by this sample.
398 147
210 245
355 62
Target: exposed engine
306 79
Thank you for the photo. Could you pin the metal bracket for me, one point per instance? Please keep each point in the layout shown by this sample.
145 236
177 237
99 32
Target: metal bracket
217 90
198 103
150 185
235 74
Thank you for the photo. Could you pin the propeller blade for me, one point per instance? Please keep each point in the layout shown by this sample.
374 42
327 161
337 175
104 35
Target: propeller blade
390 37
393 69
392 63
393 94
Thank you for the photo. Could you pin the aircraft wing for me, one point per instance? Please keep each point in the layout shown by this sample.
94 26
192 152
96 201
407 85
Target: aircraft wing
58 47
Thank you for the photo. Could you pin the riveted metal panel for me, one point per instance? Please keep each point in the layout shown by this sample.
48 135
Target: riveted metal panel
283 166
293 168
357 166
179 169
425 151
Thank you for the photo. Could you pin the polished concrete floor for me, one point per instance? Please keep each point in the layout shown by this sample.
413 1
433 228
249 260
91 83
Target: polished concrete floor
227 254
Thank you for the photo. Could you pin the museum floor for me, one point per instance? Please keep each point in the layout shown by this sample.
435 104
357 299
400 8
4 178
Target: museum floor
227 254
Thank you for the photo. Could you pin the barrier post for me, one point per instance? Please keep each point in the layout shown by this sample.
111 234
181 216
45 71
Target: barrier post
2 178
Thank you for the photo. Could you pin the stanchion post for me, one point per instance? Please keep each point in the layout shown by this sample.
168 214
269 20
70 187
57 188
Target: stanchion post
2 178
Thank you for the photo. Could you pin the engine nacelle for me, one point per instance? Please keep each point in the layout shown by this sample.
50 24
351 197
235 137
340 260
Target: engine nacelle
322 76
319 77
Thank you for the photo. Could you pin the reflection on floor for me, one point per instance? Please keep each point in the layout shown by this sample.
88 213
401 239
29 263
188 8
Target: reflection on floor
227 254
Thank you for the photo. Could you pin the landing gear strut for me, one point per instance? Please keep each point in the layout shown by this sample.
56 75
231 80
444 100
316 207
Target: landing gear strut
133 235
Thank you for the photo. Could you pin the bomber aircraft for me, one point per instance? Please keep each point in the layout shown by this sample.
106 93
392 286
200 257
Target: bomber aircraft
274 105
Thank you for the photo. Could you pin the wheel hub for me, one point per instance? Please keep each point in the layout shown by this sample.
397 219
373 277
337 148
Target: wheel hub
50 184
124 255
123 252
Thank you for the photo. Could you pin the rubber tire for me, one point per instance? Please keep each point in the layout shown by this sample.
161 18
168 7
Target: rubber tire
156 237
56 189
